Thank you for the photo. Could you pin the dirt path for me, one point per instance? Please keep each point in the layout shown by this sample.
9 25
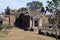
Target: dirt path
19 34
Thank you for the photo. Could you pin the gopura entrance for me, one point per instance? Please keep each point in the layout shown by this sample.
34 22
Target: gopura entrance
36 22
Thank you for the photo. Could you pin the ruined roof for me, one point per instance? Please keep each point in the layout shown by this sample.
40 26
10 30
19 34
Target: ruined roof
24 12
36 14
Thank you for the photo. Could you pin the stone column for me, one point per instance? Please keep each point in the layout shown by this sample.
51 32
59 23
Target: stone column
33 23
30 23
40 26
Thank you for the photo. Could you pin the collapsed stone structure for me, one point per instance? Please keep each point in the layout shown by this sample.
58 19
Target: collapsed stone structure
35 19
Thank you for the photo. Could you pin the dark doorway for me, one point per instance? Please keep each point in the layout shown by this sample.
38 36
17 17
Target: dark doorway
20 21
27 21
36 23
0 22
23 21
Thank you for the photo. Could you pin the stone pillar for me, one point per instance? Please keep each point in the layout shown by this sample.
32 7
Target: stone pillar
30 23
33 23
40 26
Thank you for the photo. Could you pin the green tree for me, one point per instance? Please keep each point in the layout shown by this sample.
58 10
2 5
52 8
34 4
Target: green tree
53 6
22 9
34 5
7 11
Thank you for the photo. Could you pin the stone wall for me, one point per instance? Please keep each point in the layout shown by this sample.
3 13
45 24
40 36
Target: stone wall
12 20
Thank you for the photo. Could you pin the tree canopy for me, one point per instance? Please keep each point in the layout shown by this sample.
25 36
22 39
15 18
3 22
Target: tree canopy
34 5
7 11
53 6
22 9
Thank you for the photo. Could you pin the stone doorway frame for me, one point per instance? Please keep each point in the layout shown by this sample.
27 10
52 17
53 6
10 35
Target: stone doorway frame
34 22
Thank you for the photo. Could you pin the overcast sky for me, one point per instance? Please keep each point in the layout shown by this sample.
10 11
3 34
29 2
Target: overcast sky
16 4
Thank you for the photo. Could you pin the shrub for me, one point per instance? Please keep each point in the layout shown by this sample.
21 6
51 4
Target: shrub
31 29
47 33
3 27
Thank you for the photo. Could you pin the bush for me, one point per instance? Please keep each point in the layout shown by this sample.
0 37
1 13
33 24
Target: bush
58 36
3 27
47 33
53 35
31 29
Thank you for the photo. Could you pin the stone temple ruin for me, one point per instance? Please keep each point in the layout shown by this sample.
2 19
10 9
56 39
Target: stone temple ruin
25 20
